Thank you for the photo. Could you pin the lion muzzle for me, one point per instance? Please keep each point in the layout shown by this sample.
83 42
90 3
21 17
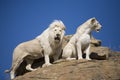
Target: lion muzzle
57 37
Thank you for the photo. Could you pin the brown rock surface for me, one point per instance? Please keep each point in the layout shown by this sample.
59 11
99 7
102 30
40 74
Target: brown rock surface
101 67
78 70
100 53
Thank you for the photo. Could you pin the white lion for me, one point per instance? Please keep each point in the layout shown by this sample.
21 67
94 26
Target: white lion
80 42
47 44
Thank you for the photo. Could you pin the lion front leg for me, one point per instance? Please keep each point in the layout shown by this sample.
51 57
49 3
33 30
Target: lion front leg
47 61
88 53
79 50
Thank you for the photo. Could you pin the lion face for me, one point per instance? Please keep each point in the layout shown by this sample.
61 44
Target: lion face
96 24
57 34
57 30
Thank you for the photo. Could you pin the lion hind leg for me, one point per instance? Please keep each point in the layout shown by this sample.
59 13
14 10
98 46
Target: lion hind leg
29 64
15 67
12 74
68 54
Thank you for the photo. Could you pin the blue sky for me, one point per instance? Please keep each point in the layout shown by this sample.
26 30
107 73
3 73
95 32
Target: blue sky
22 20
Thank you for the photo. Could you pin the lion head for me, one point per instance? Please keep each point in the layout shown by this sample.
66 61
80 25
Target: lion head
95 24
57 30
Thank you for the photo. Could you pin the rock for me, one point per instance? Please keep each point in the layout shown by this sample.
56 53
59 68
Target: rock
105 65
95 42
100 53
78 70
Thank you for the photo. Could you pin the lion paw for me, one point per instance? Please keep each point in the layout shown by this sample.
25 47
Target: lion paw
80 58
88 58
34 69
69 59
46 65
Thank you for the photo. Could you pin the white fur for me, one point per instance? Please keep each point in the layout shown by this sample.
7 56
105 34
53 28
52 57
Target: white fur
27 51
80 42
50 45
44 45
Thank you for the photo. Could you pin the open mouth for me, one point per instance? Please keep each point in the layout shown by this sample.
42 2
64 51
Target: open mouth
57 38
97 30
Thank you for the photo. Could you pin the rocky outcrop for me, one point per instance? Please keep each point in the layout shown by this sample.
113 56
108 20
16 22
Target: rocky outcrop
105 65
78 70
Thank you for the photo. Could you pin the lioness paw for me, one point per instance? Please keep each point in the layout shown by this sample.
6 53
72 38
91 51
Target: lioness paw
69 59
46 64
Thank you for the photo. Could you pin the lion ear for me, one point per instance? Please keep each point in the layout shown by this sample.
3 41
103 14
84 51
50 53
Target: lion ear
93 20
64 28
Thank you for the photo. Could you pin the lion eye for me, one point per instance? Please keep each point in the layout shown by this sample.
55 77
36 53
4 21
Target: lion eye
55 30
60 30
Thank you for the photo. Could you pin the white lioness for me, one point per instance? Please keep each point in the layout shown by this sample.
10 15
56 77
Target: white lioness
47 44
80 42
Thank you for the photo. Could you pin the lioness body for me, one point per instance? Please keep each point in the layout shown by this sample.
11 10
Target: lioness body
80 42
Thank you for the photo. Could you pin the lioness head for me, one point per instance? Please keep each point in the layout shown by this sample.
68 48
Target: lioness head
57 30
96 25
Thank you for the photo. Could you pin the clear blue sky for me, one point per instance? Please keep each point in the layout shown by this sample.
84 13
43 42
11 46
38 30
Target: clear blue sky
22 20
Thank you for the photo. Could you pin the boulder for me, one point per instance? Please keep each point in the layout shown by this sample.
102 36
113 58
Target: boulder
105 65
78 70
100 53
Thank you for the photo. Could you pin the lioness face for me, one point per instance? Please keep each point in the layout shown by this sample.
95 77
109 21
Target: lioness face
96 25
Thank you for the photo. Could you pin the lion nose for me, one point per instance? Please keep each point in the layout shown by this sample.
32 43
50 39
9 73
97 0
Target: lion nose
57 35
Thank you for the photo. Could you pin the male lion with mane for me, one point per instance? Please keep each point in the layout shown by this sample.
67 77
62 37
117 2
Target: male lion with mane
48 44
80 42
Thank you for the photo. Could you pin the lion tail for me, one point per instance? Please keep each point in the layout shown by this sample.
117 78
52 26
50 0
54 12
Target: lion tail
8 71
